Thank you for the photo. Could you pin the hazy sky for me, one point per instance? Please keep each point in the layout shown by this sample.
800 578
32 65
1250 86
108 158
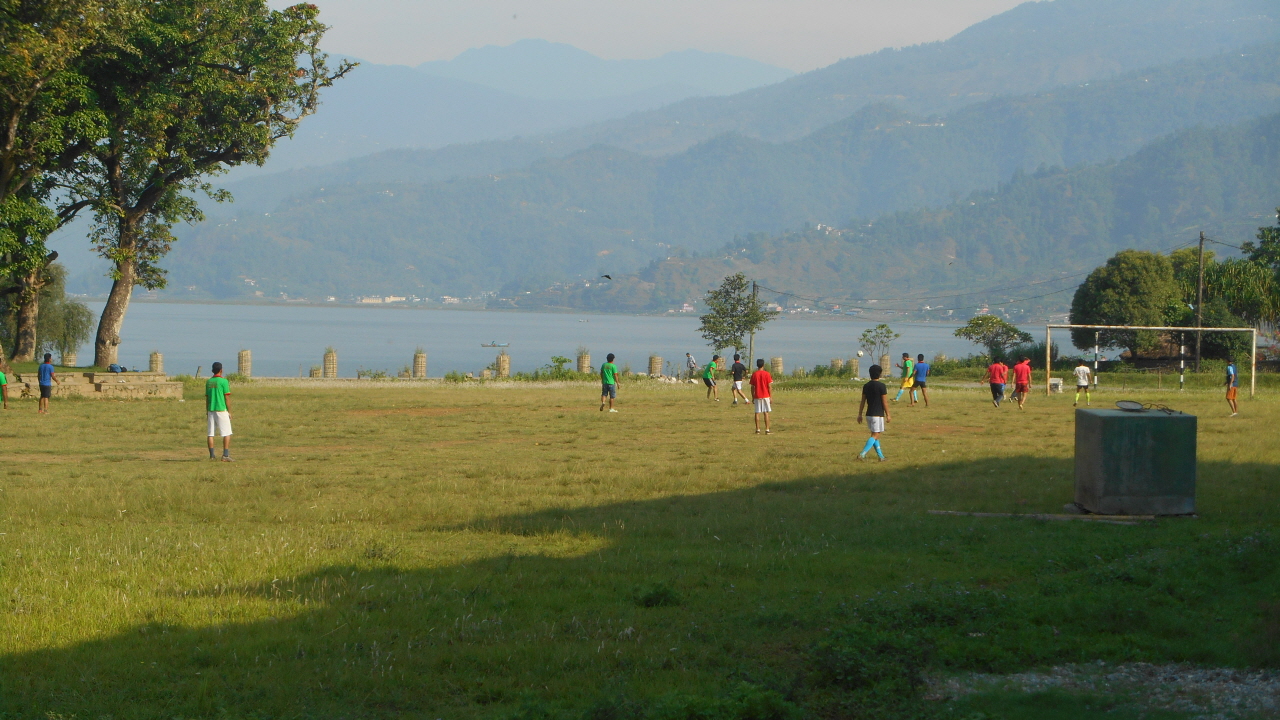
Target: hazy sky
796 34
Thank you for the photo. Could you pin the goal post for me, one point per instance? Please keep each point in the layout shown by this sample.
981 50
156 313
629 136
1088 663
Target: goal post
1048 343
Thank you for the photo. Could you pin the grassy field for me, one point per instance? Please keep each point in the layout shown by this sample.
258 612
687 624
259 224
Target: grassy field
507 550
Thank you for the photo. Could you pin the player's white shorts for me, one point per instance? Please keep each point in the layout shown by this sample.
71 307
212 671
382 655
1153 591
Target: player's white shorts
762 405
875 424
220 421
737 385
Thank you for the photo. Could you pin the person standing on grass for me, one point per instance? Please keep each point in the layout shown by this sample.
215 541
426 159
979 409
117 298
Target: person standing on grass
761 383
691 364
47 378
4 389
1082 383
608 383
1233 388
874 394
908 378
739 374
709 378
997 376
922 379
217 395
1022 380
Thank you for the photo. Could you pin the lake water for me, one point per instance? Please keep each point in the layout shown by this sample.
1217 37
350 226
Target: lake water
288 340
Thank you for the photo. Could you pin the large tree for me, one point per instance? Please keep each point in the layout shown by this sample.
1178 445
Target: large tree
733 313
197 87
1133 288
994 334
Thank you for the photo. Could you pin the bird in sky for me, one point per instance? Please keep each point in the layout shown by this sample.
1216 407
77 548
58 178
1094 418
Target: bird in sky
607 277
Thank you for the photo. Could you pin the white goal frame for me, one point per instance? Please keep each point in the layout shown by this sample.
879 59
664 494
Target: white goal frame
1253 355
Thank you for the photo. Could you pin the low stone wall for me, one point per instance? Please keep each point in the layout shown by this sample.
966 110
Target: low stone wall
97 385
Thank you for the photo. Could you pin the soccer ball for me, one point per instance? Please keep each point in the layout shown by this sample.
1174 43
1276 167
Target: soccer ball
859 353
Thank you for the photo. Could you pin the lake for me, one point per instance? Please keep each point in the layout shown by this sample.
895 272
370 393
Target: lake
288 340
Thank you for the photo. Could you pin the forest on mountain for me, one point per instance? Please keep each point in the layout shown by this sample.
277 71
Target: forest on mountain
610 210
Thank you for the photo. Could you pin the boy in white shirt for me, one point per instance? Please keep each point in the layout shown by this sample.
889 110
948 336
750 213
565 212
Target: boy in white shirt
1082 383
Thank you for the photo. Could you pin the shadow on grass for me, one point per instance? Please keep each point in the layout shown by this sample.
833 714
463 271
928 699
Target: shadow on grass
827 595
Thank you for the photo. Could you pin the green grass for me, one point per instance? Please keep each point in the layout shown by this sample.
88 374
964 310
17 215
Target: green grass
507 550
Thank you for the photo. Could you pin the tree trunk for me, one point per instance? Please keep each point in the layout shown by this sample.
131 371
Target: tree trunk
27 312
107 344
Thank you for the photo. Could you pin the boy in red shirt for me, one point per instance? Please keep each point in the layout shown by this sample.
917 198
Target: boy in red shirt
997 376
1022 380
760 382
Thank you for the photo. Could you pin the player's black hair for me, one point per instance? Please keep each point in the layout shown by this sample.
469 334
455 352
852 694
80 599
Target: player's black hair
875 372
610 357
48 357
217 368
715 358
920 357
736 356
906 355
759 362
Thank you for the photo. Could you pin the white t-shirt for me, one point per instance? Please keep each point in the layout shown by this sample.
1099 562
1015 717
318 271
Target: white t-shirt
1082 375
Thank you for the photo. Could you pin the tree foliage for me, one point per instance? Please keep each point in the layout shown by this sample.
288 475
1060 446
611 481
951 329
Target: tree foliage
733 313
993 333
875 341
1133 288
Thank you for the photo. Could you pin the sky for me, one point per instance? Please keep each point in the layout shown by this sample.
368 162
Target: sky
800 35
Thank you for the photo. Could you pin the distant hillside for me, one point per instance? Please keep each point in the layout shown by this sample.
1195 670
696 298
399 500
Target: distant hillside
609 210
1034 47
1037 227
555 71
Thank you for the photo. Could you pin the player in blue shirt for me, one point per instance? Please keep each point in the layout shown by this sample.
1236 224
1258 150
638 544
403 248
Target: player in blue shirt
922 379
47 379
1233 385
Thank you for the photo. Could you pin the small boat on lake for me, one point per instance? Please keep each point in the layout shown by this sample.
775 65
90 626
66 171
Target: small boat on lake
495 343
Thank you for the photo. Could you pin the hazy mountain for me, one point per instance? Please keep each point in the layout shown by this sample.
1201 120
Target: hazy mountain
555 71
1036 46
614 210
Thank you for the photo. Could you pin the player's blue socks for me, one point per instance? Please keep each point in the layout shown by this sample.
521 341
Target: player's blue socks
871 443
879 452
899 395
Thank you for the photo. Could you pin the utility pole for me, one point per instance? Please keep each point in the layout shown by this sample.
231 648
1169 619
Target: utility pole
751 344
1200 302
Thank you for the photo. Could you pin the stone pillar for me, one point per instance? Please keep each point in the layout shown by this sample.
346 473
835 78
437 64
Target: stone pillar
775 365
504 365
244 364
69 359
584 362
837 365
655 366
330 363
886 366
855 367
419 365
157 362
315 371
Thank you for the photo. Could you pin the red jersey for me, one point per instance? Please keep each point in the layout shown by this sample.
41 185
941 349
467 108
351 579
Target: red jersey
760 382
1022 373
999 372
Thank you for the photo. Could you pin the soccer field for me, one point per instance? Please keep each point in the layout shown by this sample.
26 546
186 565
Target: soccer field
389 550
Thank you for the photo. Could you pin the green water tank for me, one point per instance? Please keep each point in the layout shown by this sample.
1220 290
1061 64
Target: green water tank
1136 462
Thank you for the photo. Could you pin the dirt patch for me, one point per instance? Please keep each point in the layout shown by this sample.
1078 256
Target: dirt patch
21 458
945 429
409 412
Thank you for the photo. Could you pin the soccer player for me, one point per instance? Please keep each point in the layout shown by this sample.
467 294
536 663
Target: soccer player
739 374
47 378
608 383
709 378
997 375
690 363
4 389
761 381
1082 383
908 377
877 411
922 379
217 393
1233 388
1022 380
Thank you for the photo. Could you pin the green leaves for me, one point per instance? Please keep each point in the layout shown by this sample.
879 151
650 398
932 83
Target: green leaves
734 313
993 333
1133 288
875 341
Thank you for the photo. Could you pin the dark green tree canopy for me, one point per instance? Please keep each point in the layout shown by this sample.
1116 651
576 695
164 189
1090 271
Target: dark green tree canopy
993 333
733 314
1133 288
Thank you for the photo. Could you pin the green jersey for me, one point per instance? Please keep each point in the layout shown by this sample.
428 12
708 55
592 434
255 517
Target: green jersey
908 369
3 380
609 374
215 392
710 370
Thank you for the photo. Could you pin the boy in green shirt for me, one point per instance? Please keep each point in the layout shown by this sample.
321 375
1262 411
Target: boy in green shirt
608 383
4 389
709 378
217 394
